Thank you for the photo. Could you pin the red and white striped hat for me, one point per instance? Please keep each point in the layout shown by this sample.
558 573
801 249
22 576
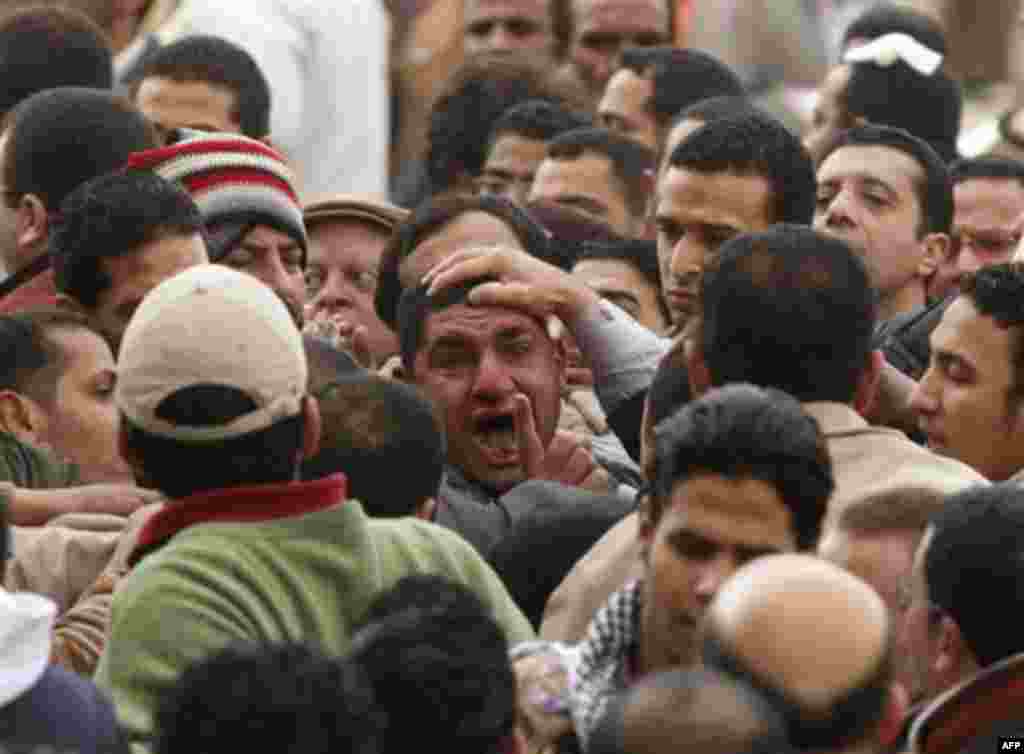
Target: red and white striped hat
235 181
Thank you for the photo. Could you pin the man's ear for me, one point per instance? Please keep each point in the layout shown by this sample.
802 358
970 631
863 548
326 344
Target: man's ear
697 370
32 223
953 658
867 384
425 510
22 417
311 427
937 247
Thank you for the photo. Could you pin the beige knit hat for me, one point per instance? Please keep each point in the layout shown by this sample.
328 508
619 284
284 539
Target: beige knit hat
211 325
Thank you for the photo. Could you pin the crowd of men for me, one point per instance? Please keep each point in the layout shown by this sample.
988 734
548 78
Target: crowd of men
645 408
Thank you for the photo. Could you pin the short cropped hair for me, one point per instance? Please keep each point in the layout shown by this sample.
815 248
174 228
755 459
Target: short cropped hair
889 18
789 308
48 46
741 431
284 698
218 62
112 216
60 138
715 108
755 144
679 78
972 567
992 168
440 669
997 291
641 255
632 163
31 361
429 219
384 436
537 119
934 189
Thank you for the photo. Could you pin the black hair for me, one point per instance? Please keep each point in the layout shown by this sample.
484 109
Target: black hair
632 163
31 361
680 78
540 120
935 187
715 108
755 144
372 428
742 431
888 18
288 698
994 168
789 308
929 107
218 62
438 665
431 218
997 291
46 46
266 456
973 567
112 216
59 138
639 254
472 100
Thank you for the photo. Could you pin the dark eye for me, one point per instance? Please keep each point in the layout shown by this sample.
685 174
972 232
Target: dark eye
481 29
314 280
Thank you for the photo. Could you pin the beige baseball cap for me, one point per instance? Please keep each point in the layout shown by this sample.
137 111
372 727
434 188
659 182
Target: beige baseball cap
211 325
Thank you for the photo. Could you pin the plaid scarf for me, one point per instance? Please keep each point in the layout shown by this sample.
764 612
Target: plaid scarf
603 668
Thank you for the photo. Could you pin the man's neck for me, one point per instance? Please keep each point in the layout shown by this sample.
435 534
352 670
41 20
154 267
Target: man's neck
906 299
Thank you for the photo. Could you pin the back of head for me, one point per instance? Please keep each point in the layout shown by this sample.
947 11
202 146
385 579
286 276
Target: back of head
814 639
212 377
112 216
716 108
430 218
972 567
287 698
438 666
475 97
890 18
756 144
31 361
690 712
745 432
48 46
539 120
372 428
632 163
934 190
680 78
218 62
791 309
60 138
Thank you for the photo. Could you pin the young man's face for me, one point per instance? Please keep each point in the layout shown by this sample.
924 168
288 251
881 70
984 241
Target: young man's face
508 26
986 229
82 421
711 525
511 166
275 258
626 287
341 278
134 275
188 104
867 196
696 213
587 184
963 401
623 108
472 364
603 28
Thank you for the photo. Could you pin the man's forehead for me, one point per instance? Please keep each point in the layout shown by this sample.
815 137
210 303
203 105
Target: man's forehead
994 200
742 201
463 320
622 14
507 8
871 162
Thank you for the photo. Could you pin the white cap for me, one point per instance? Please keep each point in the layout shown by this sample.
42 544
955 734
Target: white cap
211 325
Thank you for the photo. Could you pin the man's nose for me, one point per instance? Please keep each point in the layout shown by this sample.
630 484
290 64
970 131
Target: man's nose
714 573
924 399
492 381
686 260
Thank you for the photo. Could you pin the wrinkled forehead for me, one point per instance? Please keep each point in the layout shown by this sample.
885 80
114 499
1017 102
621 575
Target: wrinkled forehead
533 9
479 324
622 15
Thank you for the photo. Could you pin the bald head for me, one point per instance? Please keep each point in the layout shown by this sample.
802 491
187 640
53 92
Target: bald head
811 635
690 712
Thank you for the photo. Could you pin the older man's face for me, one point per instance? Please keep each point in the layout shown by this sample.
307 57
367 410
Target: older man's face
472 364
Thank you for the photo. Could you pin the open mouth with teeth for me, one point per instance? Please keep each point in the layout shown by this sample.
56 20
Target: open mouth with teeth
497 439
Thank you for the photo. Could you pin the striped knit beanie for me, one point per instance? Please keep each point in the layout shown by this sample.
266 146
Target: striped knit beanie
236 182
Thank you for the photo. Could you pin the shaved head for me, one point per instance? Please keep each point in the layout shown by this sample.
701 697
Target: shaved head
811 635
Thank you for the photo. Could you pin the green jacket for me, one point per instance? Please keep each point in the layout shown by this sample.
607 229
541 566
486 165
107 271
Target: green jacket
304 578
33 468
